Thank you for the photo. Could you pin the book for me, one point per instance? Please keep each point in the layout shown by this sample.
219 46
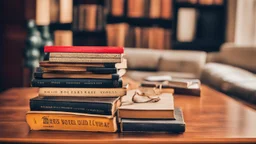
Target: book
122 65
66 11
117 34
63 38
135 8
88 105
77 83
39 75
54 11
186 25
193 89
86 55
166 9
79 70
167 126
163 109
84 60
42 12
82 92
174 82
117 7
84 49
49 120
155 8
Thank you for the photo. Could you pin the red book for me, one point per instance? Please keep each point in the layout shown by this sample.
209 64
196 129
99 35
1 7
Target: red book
84 49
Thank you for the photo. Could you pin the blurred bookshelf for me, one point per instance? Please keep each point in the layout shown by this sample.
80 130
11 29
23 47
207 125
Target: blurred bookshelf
156 24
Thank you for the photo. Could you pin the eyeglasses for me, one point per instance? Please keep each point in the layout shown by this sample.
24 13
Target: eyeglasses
149 94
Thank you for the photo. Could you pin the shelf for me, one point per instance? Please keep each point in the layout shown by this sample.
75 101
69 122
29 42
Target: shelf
141 22
89 33
199 6
60 26
199 44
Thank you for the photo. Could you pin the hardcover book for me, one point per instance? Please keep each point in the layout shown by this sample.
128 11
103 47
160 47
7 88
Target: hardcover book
84 60
166 126
163 109
88 105
84 49
64 69
77 83
49 120
86 55
83 92
121 65
39 75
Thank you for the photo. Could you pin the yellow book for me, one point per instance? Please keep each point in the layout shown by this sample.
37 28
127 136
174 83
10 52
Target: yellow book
49 120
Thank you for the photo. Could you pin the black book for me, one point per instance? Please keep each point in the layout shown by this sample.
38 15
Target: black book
77 83
167 126
53 75
94 70
88 105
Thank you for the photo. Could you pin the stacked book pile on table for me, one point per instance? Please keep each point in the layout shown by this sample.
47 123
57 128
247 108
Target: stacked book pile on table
79 89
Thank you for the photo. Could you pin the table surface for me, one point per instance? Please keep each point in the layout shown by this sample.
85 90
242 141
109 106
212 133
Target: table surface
213 117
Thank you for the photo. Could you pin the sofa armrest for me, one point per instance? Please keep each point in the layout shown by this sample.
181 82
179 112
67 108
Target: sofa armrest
213 57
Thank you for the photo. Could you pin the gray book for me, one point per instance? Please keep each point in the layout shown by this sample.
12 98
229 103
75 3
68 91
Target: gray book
166 126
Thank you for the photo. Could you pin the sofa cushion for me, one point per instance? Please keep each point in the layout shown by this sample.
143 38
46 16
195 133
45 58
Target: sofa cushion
240 56
182 61
218 75
140 75
244 90
142 59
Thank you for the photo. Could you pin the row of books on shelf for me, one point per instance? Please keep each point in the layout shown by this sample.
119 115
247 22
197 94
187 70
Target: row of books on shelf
141 8
80 89
124 35
144 37
89 17
63 11
202 2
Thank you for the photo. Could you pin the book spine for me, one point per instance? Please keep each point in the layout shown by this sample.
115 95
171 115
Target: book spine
76 107
82 60
71 122
152 127
184 91
83 92
85 55
77 83
84 49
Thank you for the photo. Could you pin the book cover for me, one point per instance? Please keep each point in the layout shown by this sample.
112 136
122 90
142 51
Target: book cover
82 92
163 109
48 120
84 49
167 126
122 65
77 83
88 105
84 60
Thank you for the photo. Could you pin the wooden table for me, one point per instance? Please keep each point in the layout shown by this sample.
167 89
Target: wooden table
213 117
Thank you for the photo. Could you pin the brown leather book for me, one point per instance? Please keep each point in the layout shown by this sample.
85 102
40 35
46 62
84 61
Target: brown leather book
117 7
63 38
166 9
163 109
121 65
136 8
155 8
54 11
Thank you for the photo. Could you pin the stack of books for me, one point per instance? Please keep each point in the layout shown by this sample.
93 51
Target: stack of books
80 89
160 116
